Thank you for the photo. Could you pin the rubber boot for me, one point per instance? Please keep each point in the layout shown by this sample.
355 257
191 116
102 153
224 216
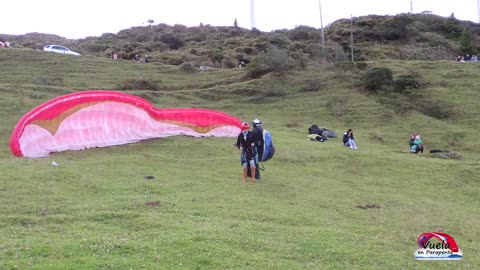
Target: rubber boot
252 173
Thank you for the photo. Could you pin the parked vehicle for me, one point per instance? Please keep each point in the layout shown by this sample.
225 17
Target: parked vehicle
59 49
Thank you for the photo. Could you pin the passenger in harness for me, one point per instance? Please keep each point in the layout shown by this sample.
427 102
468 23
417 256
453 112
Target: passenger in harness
245 143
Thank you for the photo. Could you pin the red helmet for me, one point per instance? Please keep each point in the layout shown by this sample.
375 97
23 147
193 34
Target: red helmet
245 126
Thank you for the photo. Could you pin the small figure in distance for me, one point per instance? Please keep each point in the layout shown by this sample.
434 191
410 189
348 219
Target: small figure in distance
417 146
412 140
349 140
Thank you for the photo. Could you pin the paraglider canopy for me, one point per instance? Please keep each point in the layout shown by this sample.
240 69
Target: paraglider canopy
100 118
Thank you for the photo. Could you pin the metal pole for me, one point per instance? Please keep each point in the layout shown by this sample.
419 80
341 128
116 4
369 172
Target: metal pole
252 14
321 24
351 35
478 10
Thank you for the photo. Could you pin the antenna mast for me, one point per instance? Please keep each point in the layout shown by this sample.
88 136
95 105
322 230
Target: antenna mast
321 23
351 36
478 10
252 14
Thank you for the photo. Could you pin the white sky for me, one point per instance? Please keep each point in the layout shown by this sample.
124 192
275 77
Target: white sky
79 19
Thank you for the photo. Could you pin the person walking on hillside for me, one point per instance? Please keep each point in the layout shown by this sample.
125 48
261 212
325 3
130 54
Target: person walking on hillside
258 140
245 143
349 139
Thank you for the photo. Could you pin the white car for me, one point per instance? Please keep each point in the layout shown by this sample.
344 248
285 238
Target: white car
59 49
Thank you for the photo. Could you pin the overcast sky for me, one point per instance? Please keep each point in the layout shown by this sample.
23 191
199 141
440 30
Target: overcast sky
79 19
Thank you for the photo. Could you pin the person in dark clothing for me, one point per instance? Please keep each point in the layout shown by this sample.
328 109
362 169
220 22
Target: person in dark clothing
245 143
258 140
349 140
412 140
257 132
317 134
417 146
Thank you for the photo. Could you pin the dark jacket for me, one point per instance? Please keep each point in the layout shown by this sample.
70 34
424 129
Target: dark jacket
246 143
346 137
257 133
412 142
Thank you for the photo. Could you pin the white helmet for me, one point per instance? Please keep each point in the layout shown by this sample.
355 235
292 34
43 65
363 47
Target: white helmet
257 122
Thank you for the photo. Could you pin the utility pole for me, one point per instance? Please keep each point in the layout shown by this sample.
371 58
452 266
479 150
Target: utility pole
321 24
478 10
411 6
252 14
351 35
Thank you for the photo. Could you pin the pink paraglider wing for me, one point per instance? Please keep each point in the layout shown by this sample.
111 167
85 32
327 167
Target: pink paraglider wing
104 118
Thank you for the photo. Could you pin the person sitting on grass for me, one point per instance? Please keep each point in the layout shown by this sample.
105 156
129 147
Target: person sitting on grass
412 140
349 140
417 146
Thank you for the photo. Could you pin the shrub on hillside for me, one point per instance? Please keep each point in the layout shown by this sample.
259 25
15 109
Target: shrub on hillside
453 26
301 59
173 41
279 41
312 85
378 79
466 41
188 67
257 69
275 60
404 82
398 27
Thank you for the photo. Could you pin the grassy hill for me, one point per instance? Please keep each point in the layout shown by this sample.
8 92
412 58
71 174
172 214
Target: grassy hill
401 37
318 205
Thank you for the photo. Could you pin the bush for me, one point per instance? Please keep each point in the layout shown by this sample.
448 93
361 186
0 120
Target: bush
312 85
406 82
275 60
278 60
188 68
378 79
301 59
173 41
257 69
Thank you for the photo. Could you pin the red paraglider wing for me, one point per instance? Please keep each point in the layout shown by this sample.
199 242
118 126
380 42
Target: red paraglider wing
99 118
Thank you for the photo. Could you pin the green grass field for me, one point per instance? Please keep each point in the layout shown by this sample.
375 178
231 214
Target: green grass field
99 210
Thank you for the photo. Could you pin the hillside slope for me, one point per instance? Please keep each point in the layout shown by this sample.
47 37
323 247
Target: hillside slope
98 209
